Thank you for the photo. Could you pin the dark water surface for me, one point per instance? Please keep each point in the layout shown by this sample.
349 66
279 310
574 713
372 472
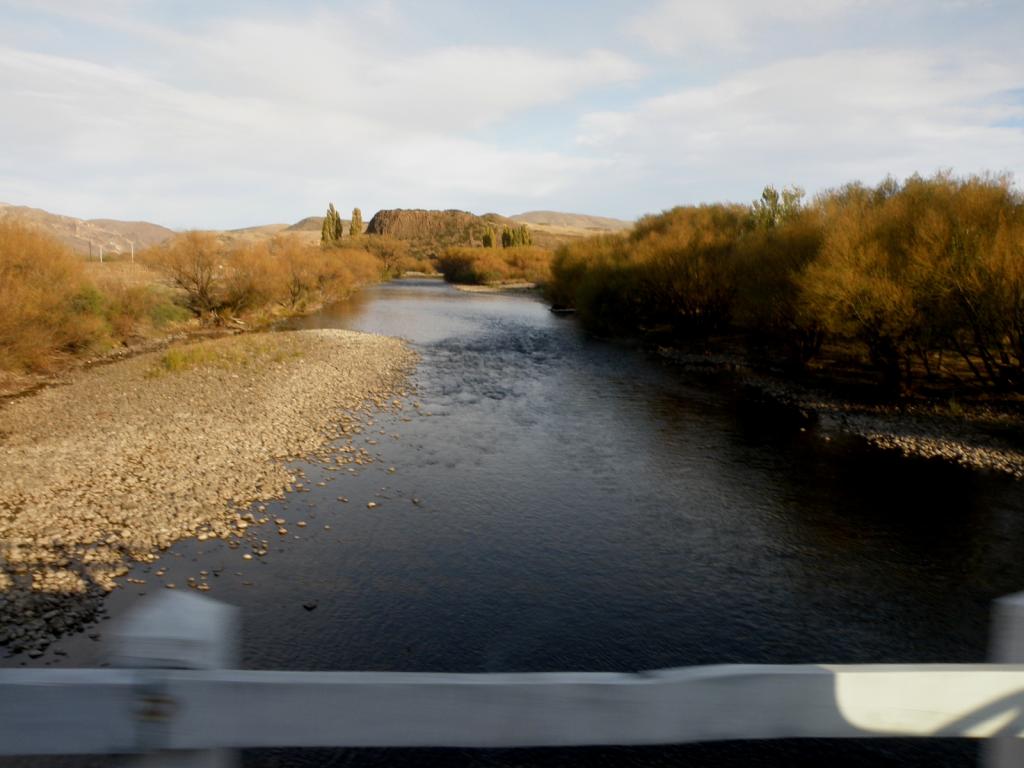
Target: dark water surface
587 506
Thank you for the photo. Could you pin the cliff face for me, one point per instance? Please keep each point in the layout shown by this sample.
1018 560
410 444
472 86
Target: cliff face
412 224
430 232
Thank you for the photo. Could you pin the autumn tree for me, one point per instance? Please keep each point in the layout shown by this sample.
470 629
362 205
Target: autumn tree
356 227
193 262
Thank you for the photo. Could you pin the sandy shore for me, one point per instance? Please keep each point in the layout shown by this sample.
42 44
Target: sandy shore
977 438
133 456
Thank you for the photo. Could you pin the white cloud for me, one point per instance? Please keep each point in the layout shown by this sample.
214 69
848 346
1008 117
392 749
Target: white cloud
694 26
824 120
230 120
310 104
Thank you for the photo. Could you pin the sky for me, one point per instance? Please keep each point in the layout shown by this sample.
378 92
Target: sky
228 114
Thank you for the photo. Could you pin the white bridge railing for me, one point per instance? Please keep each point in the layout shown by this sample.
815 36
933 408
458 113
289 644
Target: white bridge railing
174 698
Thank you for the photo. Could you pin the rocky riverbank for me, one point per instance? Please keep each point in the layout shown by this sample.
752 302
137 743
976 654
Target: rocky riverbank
977 437
133 456
515 288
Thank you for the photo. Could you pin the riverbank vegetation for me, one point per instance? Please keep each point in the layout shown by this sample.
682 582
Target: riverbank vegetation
257 280
283 275
480 266
922 281
58 307
54 307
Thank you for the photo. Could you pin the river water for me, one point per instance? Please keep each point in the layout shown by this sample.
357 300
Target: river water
565 503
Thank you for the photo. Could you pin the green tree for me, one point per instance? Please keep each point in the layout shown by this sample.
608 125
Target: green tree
775 208
330 232
488 238
356 228
506 238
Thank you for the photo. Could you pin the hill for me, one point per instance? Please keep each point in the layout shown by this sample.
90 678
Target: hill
86 236
89 235
143 233
428 232
572 221
268 230
308 224
315 224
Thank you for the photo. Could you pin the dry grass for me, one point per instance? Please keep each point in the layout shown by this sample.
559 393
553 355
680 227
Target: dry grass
121 273
233 352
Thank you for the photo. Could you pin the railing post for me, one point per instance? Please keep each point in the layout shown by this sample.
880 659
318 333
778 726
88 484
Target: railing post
1007 647
176 630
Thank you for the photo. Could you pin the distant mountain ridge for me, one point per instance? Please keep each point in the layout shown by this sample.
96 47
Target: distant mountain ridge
308 224
87 236
429 231
572 221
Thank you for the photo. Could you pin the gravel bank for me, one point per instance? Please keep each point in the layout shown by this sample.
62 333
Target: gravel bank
975 437
135 455
515 288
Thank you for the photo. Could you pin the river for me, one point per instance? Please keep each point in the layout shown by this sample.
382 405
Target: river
565 503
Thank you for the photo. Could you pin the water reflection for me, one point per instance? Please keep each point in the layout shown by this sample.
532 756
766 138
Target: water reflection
596 509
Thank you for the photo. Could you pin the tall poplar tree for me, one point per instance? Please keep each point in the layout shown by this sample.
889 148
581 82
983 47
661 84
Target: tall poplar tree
356 228
330 232
339 226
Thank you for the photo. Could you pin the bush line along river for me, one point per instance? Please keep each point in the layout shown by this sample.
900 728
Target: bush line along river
544 501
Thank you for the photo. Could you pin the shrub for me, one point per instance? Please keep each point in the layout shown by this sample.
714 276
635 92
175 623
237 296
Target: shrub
909 271
391 253
194 262
768 265
490 265
674 271
48 306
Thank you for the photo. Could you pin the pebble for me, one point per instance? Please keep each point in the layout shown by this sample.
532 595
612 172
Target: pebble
914 429
71 528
